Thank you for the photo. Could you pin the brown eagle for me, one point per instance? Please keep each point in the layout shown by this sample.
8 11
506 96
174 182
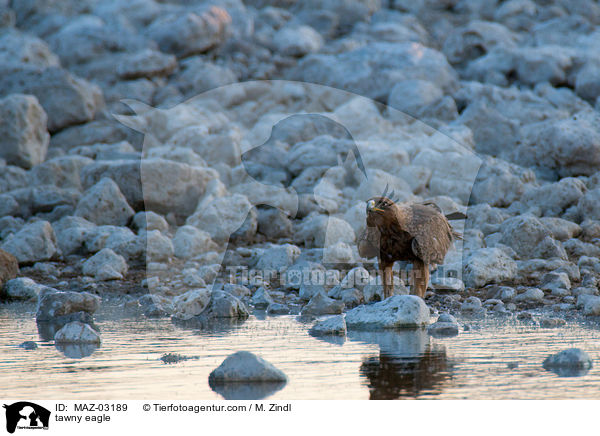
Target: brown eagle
417 233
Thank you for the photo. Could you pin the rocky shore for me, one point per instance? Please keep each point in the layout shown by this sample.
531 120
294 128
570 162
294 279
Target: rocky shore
198 158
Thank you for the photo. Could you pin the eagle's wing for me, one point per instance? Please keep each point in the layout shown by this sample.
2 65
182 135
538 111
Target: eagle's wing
431 231
368 242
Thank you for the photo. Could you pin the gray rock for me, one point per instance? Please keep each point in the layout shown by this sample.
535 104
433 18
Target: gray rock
523 233
104 204
505 293
34 242
71 233
274 224
552 322
192 303
572 362
335 325
320 231
28 345
155 306
189 242
221 217
447 284
400 311
555 282
159 247
553 199
351 297
561 229
77 332
244 366
373 291
558 146
576 248
278 257
307 291
591 304
23 48
224 305
261 298
9 267
22 288
548 248
587 82
167 185
24 138
66 99
445 326
146 63
53 304
297 40
531 295
413 97
150 221
471 304
488 265
278 309
105 265
186 33
356 278
475 39
320 304
62 172
588 207
390 63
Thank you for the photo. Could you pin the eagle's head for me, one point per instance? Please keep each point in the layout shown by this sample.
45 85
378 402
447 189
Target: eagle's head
379 208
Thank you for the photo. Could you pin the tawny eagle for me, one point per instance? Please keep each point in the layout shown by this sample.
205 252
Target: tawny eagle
413 232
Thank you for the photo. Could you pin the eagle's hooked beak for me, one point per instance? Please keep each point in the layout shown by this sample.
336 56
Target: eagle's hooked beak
371 206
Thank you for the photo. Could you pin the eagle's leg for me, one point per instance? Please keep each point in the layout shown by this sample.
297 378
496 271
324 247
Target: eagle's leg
420 278
388 279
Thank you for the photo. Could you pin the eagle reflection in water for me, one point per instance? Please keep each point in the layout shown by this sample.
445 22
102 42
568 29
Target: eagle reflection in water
407 372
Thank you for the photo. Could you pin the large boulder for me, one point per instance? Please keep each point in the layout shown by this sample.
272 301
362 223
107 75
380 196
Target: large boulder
399 311
572 362
244 366
67 99
488 265
77 332
161 185
104 204
24 137
53 304
35 242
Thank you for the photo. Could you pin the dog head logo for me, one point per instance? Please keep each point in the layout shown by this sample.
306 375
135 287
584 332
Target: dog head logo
26 415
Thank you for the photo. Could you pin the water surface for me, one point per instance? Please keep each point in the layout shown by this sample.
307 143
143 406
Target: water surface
496 359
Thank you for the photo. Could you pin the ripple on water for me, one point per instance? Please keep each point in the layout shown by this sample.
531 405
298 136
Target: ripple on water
495 360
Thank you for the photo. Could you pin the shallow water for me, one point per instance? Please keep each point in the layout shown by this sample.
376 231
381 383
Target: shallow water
388 365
